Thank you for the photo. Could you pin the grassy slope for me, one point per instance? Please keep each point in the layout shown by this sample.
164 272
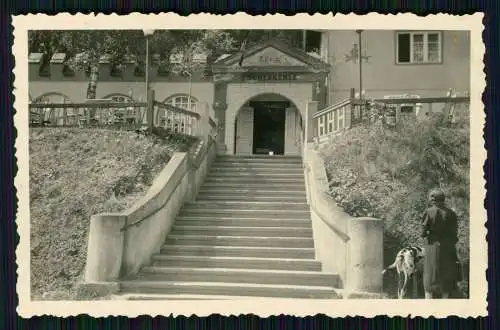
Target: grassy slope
387 174
75 173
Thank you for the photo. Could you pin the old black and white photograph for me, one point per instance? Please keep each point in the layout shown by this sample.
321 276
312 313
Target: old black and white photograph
337 165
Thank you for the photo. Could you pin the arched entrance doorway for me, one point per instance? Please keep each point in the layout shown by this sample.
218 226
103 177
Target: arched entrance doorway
268 124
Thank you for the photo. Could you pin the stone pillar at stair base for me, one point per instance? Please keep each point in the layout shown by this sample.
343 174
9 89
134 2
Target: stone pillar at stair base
104 256
365 255
105 248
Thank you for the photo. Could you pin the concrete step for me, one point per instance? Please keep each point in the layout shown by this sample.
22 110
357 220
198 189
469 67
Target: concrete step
203 197
186 229
253 174
208 220
236 263
238 251
222 165
227 275
221 184
247 205
260 159
252 191
243 241
280 213
229 289
256 180
262 171
181 297
339 292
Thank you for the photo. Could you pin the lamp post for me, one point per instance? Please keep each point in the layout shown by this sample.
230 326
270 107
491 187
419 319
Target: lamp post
148 34
190 80
360 64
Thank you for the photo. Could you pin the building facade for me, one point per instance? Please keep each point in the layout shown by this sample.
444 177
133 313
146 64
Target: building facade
260 101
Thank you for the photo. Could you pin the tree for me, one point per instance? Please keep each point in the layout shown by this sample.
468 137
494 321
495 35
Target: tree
85 48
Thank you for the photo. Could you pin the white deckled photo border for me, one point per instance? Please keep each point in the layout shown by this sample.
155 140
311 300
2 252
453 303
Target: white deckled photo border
475 306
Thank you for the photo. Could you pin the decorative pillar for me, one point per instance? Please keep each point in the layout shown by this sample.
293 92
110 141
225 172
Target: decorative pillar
318 90
311 127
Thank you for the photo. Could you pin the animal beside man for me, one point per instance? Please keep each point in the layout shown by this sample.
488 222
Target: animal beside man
440 271
407 264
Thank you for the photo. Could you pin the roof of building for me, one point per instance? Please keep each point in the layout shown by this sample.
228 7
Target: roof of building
35 57
58 58
313 61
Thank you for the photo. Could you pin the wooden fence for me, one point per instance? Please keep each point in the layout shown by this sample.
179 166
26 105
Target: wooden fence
106 113
335 119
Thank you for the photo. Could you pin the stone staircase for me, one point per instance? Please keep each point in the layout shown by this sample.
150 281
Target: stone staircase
248 234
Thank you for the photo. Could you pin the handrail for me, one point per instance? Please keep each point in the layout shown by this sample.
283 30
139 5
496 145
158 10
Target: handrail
332 107
444 99
88 105
343 236
334 228
177 110
148 215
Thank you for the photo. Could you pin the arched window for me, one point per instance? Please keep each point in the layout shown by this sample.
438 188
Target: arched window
182 101
175 121
121 114
51 115
119 98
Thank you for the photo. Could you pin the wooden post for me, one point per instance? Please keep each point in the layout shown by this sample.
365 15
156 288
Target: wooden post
65 115
138 117
352 94
89 110
151 109
398 114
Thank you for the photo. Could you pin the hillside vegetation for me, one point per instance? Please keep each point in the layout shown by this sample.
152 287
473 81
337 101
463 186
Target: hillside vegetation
387 173
75 173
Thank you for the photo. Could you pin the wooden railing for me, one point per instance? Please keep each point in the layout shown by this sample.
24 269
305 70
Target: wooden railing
106 113
335 119
332 120
175 119
87 114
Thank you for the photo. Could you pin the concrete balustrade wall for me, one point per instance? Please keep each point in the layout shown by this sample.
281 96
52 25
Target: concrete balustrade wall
349 246
328 220
118 248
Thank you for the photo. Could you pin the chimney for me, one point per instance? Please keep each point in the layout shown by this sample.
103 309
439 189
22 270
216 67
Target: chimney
105 67
34 62
129 69
57 65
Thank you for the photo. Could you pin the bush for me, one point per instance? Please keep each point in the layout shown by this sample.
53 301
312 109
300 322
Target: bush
75 173
388 173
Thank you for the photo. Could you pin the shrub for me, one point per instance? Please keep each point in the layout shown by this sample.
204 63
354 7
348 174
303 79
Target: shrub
388 173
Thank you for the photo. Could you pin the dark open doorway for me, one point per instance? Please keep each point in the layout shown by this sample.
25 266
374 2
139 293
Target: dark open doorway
269 127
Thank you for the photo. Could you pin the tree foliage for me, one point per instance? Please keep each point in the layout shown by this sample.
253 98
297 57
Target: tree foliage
86 47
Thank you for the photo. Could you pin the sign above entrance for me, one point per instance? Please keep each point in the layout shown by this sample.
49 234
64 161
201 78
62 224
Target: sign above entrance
271 57
270 76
